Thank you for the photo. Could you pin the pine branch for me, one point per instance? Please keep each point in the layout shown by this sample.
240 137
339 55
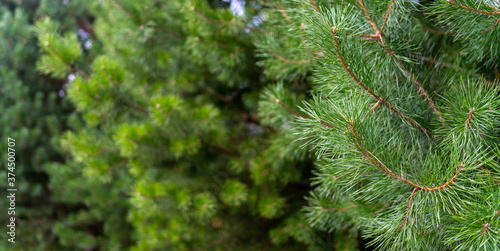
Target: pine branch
493 26
174 119
117 3
442 64
474 9
169 32
409 207
423 92
302 115
211 20
368 16
290 110
379 164
481 12
124 100
286 60
387 15
315 6
70 65
469 117
339 209
378 34
360 83
437 31
284 12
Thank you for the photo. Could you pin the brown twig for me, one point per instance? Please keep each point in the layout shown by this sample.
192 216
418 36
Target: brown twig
434 61
368 16
387 15
378 34
437 31
409 207
423 92
360 83
379 164
473 9
315 5
284 12
493 26
286 60
339 209
125 10
290 110
469 117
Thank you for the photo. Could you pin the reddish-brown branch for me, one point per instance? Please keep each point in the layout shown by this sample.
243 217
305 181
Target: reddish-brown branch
473 9
433 61
379 164
387 15
125 10
169 32
373 108
469 117
493 26
290 110
409 207
384 207
422 91
284 12
378 34
315 5
286 60
437 32
368 16
360 83
428 231
339 209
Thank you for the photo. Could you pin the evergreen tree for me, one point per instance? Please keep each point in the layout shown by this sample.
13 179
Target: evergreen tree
170 153
32 113
403 116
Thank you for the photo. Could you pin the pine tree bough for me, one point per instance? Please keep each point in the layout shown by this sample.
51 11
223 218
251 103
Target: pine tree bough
376 162
455 111
381 100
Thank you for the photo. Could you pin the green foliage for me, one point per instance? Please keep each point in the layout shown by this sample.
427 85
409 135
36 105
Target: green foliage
406 142
182 144
172 155
34 115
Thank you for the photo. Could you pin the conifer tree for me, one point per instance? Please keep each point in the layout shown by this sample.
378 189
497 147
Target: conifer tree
403 116
33 114
170 153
